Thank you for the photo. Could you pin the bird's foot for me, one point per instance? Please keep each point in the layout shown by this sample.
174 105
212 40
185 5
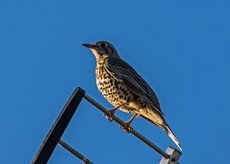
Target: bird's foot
112 112
111 115
126 127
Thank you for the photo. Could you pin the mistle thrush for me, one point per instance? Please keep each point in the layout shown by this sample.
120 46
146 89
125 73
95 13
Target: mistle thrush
125 89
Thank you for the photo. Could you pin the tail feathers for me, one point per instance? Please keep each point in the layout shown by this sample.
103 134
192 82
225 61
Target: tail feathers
172 136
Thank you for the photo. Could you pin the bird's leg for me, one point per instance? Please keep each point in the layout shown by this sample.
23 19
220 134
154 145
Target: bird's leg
112 112
127 127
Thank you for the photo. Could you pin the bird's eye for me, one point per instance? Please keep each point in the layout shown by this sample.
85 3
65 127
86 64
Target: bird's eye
103 45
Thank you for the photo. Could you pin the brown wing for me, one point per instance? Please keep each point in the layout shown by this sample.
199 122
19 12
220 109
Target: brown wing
124 72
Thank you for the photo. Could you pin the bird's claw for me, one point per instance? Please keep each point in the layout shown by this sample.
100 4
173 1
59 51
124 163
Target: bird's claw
126 128
110 116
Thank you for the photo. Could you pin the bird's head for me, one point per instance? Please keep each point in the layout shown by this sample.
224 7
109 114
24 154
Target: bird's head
102 49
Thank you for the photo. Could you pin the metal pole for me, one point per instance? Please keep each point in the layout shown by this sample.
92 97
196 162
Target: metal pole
58 128
133 131
74 152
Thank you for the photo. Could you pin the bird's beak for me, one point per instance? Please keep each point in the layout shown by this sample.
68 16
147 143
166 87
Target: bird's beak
90 46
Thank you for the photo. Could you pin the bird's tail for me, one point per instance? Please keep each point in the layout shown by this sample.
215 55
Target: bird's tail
172 136
159 121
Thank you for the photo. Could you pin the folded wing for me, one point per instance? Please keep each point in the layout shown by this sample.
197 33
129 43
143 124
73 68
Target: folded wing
122 71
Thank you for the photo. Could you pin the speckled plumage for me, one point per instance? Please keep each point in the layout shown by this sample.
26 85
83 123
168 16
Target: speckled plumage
123 87
117 93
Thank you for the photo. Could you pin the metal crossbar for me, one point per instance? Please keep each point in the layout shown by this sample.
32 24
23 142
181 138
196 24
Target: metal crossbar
171 156
74 152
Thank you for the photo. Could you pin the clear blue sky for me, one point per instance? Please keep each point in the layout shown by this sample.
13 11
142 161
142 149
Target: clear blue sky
180 47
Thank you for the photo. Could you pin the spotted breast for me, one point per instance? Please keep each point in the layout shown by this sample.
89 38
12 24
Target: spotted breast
112 89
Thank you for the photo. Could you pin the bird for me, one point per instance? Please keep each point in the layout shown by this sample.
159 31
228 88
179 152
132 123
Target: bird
125 89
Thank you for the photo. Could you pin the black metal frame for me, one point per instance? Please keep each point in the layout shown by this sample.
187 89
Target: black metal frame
54 136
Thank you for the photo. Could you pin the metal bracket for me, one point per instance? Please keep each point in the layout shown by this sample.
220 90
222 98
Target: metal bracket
171 156
174 156
54 136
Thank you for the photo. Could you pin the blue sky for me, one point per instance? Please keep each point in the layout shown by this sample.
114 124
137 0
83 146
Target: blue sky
181 48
